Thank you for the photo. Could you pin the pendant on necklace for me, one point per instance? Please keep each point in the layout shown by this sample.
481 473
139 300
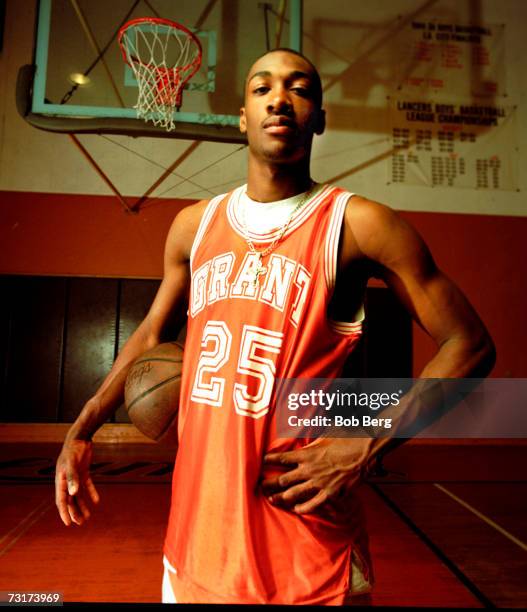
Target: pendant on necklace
260 269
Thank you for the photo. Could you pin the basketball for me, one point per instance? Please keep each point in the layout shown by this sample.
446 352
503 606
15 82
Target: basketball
152 391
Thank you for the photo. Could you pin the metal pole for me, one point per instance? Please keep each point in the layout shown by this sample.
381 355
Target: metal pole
296 18
100 172
165 174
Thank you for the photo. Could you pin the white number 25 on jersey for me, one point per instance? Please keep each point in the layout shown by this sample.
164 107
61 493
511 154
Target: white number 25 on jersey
258 352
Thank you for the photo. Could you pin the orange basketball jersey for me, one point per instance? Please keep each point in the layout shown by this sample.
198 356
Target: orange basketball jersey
227 542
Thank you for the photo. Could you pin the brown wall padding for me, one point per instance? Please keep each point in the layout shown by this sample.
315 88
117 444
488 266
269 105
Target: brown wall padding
385 349
5 325
90 341
33 348
388 336
59 337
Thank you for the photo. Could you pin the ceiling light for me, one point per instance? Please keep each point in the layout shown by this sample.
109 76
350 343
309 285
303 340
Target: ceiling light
77 78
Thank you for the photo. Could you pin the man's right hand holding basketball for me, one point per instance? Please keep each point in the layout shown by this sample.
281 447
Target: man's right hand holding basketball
74 488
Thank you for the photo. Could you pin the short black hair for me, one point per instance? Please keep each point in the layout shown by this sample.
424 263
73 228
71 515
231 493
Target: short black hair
317 83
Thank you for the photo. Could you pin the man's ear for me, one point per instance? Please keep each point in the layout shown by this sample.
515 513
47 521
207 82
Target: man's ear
243 121
320 124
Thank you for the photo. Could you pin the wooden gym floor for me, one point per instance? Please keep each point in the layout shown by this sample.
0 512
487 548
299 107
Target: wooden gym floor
447 524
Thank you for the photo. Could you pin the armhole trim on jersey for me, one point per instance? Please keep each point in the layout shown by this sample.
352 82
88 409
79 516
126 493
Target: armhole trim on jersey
331 251
332 239
204 223
346 328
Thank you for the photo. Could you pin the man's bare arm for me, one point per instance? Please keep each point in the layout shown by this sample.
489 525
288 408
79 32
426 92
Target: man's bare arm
401 258
74 488
403 261
396 253
167 310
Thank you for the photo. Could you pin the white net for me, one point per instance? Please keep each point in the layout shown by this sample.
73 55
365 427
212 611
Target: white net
163 58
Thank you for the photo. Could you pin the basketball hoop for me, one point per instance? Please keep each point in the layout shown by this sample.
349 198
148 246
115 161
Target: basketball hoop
163 56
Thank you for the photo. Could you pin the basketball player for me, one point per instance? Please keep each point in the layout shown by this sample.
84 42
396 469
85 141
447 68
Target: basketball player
273 276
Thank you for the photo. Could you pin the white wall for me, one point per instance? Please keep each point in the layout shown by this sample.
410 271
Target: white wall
356 146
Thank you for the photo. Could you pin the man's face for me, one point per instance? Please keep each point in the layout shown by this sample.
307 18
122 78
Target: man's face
281 112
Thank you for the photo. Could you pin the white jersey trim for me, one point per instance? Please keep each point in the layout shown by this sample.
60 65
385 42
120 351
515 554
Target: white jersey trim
331 250
333 237
205 220
303 214
346 328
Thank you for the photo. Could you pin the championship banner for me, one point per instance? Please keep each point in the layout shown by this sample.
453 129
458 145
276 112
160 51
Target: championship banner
449 122
461 144
453 58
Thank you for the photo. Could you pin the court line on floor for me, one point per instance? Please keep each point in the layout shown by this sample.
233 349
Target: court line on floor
12 536
444 480
23 481
439 553
482 516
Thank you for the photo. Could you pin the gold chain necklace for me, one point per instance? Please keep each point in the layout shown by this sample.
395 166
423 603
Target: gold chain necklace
260 268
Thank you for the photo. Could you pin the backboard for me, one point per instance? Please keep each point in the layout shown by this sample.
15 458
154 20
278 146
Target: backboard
82 84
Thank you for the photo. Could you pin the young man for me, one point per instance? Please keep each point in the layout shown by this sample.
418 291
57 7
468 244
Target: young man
274 275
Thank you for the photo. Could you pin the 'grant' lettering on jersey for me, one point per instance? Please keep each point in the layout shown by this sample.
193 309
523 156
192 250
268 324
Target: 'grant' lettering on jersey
284 286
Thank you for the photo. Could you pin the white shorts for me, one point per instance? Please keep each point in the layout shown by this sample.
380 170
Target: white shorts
167 593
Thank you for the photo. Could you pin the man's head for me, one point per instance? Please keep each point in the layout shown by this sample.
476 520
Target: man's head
317 84
283 106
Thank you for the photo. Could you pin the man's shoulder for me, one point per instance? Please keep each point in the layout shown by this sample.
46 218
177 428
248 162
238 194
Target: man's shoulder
372 229
189 217
186 224
360 206
362 212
